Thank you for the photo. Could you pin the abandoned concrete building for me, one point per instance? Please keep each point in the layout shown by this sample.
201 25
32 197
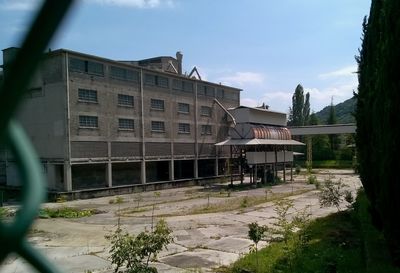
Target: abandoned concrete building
100 123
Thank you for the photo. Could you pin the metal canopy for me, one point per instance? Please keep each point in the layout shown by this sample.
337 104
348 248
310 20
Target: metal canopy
256 141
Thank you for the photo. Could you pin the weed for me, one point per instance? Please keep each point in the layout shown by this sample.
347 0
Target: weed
66 212
244 203
312 179
119 200
298 169
62 198
4 212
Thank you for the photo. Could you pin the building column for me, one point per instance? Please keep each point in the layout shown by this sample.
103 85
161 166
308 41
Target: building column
216 166
67 176
196 168
171 170
284 163
109 174
143 172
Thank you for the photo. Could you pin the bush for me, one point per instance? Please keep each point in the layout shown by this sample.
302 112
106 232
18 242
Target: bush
333 193
298 169
135 252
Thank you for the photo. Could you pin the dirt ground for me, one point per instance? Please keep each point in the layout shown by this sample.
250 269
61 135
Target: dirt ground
209 224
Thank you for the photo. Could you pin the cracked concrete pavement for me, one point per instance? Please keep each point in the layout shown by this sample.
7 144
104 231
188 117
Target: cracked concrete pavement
201 241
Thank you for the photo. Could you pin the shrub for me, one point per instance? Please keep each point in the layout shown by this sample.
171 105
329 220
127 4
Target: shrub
333 193
298 169
135 252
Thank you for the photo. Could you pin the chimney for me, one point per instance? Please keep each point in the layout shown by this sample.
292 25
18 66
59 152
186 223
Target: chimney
179 57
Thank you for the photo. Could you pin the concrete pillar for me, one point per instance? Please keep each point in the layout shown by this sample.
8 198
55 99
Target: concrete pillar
171 170
109 174
216 166
284 164
67 176
196 168
143 172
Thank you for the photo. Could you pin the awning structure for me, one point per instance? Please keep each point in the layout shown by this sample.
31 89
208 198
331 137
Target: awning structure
256 141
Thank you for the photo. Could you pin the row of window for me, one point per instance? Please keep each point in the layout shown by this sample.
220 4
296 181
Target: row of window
119 73
88 95
129 124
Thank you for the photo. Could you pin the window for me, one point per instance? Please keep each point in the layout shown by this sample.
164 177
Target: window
157 104
160 81
95 68
157 126
125 100
126 124
205 111
182 85
183 107
87 95
206 129
150 79
220 93
90 67
232 95
123 74
205 90
88 122
184 128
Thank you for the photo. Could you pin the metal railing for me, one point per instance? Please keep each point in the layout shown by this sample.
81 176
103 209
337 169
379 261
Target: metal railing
17 75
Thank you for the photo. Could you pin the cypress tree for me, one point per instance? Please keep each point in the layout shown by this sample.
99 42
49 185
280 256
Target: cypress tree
378 119
300 110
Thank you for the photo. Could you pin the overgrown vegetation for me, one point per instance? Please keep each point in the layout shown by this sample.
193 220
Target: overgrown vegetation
243 202
333 193
132 254
4 212
342 242
66 212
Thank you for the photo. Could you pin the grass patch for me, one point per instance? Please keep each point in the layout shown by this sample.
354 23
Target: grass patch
332 164
66 212
4 212
334 246
239 203
341 242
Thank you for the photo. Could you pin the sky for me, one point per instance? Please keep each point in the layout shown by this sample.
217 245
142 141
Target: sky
264 47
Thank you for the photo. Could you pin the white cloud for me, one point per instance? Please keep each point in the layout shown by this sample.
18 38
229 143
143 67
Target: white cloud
134 3
348 71
242 79
248 102
19 5
322 97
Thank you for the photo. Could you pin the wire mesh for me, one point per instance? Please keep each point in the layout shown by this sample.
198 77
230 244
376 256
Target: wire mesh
16 79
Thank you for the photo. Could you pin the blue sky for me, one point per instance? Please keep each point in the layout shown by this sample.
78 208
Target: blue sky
264 47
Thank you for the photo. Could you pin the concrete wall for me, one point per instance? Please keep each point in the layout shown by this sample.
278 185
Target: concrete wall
43 112
253 115
268 157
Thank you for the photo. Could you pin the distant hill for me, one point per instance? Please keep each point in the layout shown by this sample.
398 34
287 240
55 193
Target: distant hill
344 112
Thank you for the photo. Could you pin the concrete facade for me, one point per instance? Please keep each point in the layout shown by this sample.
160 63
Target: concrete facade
100 123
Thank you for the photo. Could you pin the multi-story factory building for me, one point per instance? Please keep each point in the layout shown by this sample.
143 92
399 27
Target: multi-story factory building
100 123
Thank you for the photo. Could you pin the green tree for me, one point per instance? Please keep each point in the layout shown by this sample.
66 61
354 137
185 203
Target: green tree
333 139
377 117
300 110
321 149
